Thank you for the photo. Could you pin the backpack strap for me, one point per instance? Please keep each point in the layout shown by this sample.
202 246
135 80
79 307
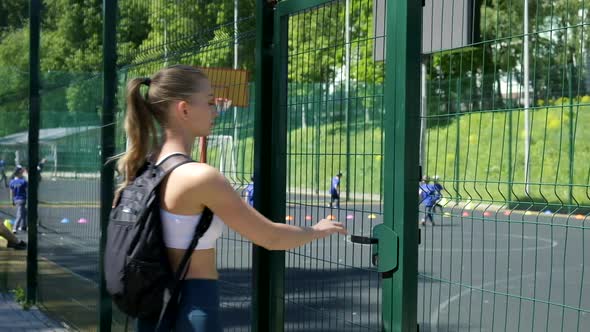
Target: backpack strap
202 227
169 164
162 170
171 298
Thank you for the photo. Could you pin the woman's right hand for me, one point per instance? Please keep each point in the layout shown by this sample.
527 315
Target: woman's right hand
327 227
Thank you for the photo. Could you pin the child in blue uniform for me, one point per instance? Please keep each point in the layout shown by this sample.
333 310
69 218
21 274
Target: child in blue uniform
18 193
249 191
428 198
335 190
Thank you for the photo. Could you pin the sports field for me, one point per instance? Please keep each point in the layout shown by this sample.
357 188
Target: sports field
487 269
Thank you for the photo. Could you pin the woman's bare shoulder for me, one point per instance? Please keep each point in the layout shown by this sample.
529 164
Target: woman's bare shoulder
196 175
190 186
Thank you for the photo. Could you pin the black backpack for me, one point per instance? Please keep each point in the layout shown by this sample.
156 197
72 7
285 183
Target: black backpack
137 271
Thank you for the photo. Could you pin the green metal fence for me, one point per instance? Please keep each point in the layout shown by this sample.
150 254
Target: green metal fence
337 118
503 117
71 136
331 285
69 196
75 118
334 86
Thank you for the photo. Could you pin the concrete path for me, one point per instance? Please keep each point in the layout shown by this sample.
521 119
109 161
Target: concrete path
13 318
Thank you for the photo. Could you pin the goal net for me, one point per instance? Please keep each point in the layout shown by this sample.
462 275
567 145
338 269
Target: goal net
221 153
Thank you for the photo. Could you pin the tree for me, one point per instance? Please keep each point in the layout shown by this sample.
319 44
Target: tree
14 52
177 27
13 14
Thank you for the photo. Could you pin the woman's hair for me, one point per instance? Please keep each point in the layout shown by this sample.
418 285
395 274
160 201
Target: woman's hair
174 83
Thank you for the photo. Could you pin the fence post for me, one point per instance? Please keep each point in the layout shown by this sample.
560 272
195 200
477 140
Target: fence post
402 130
347 98
33 150
572 138
317 140
109 77
510 177
269 173
457 150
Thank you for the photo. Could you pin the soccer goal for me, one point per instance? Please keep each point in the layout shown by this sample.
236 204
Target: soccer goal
222 153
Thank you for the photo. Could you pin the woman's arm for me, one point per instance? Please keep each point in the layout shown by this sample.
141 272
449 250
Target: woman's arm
215 192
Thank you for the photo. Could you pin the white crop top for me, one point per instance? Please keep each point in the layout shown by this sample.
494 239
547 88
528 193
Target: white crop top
179 230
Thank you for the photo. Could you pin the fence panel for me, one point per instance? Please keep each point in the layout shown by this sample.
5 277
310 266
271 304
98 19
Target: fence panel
334 125
502 118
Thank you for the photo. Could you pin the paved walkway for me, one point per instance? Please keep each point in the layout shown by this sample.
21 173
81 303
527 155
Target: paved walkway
14 319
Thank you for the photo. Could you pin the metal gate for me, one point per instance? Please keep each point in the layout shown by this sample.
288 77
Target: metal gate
341 110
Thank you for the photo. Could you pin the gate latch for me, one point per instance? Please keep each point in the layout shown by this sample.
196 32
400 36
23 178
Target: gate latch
385 248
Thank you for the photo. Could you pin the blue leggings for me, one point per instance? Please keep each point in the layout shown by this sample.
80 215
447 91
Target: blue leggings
198 310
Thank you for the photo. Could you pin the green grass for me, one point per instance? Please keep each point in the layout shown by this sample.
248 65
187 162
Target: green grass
365 158
310 170
486 168
490 162
20 297
481 170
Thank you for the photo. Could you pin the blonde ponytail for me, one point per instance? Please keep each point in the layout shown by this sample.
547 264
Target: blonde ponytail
140 129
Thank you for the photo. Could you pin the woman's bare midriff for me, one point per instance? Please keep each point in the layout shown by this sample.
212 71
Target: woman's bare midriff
202 263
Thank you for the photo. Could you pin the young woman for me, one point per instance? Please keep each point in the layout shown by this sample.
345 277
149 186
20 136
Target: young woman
180 99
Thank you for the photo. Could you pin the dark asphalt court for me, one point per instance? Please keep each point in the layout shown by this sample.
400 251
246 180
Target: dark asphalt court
489 270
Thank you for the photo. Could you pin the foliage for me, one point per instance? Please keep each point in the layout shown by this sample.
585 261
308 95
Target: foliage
470 78
489 165
20 297
161 32
14 69
324 29
13 13
71 49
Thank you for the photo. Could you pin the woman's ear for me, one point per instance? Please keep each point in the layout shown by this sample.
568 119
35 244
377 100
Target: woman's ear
181 109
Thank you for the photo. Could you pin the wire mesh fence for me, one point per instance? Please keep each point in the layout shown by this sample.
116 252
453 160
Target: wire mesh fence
502 116
216 37
12 121
69 195
506 91
68 191
334 127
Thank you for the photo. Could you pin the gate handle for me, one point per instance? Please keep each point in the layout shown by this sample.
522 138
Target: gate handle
367 240
385 249
363 239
